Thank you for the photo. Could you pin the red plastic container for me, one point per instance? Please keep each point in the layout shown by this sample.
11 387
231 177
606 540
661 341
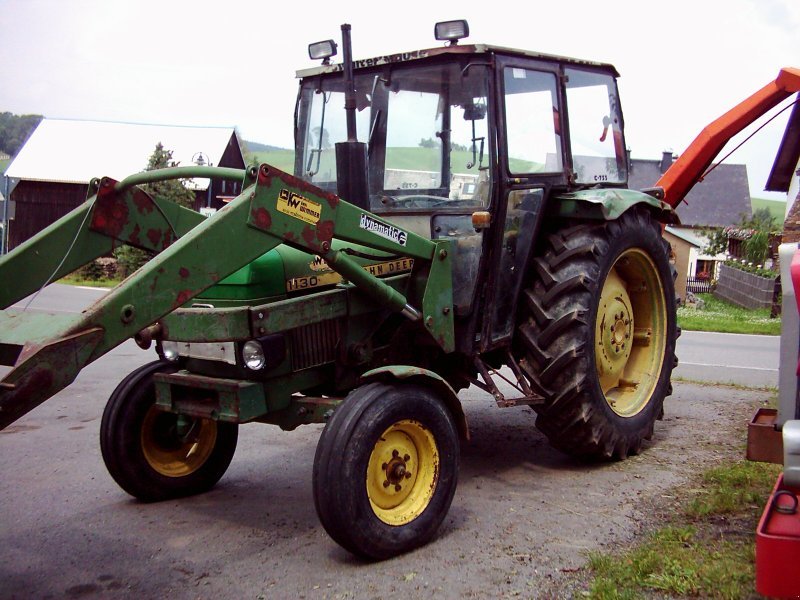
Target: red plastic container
778 546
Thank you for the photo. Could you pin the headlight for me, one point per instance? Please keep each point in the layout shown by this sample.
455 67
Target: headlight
253 355
170 350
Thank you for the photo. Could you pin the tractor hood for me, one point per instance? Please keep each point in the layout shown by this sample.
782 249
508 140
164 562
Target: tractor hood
285 272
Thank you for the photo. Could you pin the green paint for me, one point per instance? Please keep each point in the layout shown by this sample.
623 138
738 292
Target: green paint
607 204
191 261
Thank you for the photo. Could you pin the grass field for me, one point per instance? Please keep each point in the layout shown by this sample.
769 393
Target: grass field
282 159
4 165
704 550
413 159
776 208
726 318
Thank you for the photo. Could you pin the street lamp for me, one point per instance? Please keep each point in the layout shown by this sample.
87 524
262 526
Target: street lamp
201 160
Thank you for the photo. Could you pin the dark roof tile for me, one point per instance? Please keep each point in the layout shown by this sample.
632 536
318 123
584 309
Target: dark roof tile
718 201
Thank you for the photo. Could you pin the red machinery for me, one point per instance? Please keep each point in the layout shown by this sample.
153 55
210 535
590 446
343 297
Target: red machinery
778 533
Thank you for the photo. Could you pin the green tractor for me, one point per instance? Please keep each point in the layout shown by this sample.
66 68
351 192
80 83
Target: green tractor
457 216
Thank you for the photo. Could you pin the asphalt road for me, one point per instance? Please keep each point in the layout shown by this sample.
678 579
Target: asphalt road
750 360
60 298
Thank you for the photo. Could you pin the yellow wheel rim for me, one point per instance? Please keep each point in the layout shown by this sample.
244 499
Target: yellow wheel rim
630 333
402 472
172 453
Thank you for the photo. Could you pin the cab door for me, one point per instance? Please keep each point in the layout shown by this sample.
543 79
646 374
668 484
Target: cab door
531 165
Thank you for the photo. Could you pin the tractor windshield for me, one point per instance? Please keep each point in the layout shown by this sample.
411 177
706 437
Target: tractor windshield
425 128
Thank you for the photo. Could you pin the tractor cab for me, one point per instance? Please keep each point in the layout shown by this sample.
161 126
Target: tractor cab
469 142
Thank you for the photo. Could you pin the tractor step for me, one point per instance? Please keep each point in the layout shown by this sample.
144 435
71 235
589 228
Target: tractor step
527 395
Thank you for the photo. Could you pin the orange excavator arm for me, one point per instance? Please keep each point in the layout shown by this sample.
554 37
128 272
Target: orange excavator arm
690 166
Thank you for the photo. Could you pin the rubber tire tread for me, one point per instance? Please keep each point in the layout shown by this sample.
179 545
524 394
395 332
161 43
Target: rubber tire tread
120 442
555 336
340 465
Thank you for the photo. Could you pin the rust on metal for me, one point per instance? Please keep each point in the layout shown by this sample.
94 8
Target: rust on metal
134 237
325 231
144 203
265 175
764 439
146 336
262 218
310 237
110 214
183 297
154 235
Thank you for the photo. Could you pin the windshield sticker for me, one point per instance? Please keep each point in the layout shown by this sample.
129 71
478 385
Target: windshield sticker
392 267
295 205
384 230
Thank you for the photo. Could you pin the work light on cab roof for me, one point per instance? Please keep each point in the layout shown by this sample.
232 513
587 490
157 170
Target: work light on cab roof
322 50
451 31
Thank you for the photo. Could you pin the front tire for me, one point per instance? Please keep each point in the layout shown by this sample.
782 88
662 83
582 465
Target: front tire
386 469
152 454
598 332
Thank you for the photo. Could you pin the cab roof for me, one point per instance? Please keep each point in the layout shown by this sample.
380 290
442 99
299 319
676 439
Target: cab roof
402 57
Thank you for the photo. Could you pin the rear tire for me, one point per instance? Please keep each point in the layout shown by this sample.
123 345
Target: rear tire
386 469
597 334
148 454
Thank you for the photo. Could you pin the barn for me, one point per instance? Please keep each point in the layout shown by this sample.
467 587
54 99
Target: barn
50 175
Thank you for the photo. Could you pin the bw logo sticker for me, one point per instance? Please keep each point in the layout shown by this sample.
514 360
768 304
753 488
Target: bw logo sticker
295 205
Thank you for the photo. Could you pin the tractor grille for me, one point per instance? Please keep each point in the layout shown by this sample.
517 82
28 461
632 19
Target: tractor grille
314 345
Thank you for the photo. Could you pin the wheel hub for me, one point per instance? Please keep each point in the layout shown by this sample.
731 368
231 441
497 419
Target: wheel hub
402 472
397 471
176 446
630 333
614 331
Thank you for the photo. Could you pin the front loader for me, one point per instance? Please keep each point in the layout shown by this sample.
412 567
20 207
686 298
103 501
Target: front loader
481 231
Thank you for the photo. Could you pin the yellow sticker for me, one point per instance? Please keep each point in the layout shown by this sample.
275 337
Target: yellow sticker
318 264
392 267
295 205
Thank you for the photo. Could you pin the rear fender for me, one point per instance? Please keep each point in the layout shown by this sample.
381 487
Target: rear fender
405 373
609 204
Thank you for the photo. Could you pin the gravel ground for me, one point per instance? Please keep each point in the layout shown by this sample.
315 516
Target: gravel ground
523 519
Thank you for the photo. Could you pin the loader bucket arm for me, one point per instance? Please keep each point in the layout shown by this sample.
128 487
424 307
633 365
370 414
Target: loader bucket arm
688 169
96 227
47 352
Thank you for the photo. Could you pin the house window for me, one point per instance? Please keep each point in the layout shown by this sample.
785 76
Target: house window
735 248
705 269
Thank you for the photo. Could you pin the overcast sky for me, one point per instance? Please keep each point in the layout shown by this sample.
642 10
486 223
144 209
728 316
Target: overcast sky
232 63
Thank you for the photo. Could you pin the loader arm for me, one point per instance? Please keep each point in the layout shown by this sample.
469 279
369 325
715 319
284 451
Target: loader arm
48 351
688 169
97 226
